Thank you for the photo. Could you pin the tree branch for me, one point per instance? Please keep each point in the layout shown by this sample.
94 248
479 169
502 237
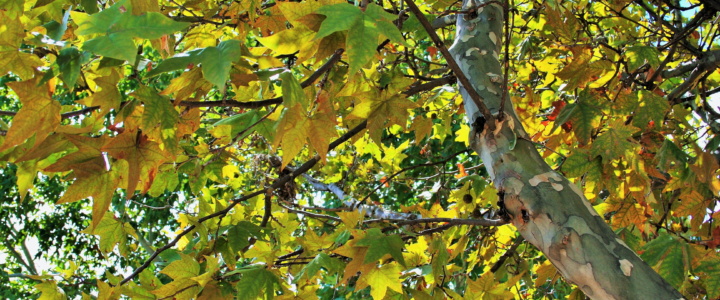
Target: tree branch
490 120
276 184
267 102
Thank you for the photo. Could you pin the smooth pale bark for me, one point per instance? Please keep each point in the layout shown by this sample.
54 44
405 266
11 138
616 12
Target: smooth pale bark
548 210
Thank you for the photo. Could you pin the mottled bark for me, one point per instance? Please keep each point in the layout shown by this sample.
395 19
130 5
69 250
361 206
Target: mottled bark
548 210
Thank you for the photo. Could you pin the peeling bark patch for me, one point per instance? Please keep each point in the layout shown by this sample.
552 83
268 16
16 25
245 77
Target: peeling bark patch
626 267
493 37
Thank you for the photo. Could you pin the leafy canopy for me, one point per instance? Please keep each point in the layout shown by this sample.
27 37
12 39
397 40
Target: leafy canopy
317 149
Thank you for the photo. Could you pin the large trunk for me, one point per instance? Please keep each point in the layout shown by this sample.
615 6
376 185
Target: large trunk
548 210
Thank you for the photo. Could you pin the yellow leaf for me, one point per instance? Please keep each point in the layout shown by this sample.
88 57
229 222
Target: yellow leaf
211 267
184 288
351 218
292 132
185 267
422 126
546 271
356 264
39 115
106 292
312 242
379 280
297 39
322 127
143 156
483 284
111 232
50 291
386 108
19 63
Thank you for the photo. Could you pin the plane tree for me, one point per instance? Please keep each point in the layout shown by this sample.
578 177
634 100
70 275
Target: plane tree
385 149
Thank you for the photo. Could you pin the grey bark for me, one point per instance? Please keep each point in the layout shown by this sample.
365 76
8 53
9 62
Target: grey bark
548 210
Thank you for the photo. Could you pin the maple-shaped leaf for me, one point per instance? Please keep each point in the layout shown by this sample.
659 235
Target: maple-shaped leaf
20 63
292 133
485 283
294 125
119 27
710 267
295 40
111 232
652 108
365 28
322 260
92 178
561 21
357 254
99 185
185 267
69 62
382 112
159 117
50 291
143 156
322 125
639 55
692 204
292 92
380 244
38 116
215 62
380 279
187 84
581 70
254 281
667 255
583 115
614 142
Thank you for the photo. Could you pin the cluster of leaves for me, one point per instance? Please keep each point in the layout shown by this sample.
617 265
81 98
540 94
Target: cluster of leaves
233 148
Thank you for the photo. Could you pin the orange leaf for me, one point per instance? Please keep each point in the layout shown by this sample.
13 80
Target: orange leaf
461 171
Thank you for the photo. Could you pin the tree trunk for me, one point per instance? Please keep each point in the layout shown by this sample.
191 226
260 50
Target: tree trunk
548 210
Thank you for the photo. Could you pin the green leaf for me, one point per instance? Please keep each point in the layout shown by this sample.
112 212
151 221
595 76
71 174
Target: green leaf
380 244
666 254
583 115
365 28
292 91
114 46
670 155
254 281
111 232
216 62
322 260
711 270
178 62
614 142
340 17
70 61
242 232
652 108
185 267
640 55
120 27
